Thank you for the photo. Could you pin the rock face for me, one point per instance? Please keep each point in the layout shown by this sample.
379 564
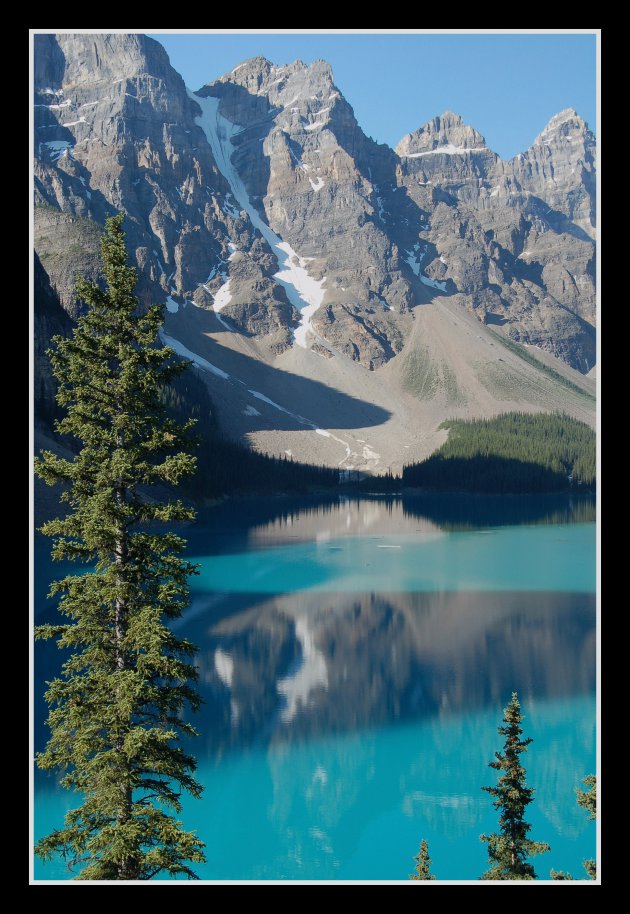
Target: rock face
560 168
274 230
303 164
378 231
115 130
515 238
443 215
447 133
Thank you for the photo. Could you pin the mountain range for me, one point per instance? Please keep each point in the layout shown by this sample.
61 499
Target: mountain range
340 298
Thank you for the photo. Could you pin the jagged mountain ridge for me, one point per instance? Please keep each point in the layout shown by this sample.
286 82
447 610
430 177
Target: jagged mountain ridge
511 252
131 143
261 201
521 247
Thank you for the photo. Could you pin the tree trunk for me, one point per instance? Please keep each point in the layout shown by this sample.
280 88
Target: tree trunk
128 868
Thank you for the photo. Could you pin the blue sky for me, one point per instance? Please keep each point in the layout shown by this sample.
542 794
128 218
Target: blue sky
506 86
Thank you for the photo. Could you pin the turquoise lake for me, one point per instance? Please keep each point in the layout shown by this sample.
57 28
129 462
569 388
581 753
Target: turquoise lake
355 655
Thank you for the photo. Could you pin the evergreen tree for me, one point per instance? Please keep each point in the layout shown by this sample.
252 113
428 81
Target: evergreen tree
587 799
116 710
423 863
508 851
510 453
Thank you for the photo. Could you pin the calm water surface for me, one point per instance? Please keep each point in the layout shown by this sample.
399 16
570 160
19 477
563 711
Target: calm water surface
355 656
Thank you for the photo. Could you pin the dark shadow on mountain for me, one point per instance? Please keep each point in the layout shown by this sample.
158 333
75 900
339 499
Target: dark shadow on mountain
317 404
440 195
495 319
226 467
50 320
530 270
557 220
588 341
49 63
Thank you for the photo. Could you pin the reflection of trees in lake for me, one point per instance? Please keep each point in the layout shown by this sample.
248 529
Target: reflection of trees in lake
264 521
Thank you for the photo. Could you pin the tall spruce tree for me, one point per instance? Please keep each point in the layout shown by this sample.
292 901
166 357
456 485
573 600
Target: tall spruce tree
116 710
423 863
509 850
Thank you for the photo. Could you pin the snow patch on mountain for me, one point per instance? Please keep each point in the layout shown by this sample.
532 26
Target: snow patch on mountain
229 208
304 292
415 262
222 296
433 283
186 353
448 150
53 107
58 148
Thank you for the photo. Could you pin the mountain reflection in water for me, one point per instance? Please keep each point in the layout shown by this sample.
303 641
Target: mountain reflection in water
302 665
258 522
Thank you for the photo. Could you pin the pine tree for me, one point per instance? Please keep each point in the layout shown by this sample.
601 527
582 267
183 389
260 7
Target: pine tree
116 710
508 851
587 799
423 863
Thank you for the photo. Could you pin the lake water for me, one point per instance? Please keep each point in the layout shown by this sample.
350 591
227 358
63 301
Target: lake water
355 656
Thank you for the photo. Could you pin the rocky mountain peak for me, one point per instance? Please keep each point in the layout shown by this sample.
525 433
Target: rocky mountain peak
565 124
251 74
321 71
82 59
296 96
261 77
83 81
448 131
559 168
